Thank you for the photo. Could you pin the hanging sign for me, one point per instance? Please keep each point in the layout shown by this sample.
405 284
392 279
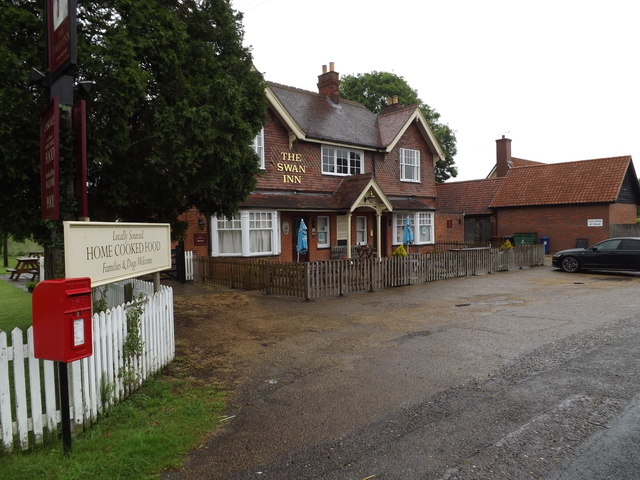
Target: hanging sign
61 35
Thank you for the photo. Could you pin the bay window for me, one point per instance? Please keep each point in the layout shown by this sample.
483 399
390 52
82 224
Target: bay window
421 223
247 233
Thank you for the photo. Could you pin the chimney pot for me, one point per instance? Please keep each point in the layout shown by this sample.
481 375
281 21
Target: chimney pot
329 83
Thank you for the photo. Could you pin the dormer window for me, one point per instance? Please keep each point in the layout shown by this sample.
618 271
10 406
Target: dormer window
258 146
341 161
409 165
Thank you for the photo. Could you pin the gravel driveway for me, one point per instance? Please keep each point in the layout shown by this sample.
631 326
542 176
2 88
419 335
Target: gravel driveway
462 378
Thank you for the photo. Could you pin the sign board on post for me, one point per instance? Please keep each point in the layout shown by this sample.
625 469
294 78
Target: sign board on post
50 161
61 35
112 251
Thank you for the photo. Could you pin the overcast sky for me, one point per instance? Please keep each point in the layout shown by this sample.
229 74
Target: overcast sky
560 78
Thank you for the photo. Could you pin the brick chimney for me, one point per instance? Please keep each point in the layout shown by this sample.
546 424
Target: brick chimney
391 104
503 156
329 84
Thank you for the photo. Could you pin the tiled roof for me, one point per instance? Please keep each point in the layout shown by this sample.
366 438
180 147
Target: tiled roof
347 122
291 201
521 162
408 203
392 122
350 189
586 181
471 197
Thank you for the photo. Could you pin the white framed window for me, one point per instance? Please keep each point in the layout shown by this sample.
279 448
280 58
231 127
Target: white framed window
258 146
361 230
260 232
248 233
421 223
229 235
341 161
324 236
409 165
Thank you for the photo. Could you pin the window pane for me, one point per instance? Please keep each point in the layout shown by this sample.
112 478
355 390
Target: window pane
323 231
342 162
356 163
230 241
328 163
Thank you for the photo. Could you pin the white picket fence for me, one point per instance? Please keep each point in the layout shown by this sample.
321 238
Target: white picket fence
188 264
114 295
28 388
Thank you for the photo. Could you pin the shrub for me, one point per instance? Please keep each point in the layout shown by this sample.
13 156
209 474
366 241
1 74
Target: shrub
506 245
400 251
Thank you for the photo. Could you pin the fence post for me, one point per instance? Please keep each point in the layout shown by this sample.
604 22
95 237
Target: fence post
307 278
180 264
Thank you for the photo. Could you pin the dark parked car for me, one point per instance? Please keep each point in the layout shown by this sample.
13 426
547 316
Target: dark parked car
610 254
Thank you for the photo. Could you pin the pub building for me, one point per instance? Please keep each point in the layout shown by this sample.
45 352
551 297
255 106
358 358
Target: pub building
355 178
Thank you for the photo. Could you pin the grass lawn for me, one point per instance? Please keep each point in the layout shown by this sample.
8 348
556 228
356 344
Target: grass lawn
15 307
139 438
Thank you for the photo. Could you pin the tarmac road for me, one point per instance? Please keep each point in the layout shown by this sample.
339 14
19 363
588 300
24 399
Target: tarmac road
523 374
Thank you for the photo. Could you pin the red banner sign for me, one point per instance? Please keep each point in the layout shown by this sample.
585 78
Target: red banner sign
50 161
60 34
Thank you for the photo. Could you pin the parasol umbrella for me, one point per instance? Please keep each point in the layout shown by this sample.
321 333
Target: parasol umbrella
302 245
408 233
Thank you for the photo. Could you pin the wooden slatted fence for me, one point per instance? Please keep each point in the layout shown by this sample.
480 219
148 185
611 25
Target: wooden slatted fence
341 277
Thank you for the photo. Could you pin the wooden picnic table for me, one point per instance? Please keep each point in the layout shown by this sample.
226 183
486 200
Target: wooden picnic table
26 265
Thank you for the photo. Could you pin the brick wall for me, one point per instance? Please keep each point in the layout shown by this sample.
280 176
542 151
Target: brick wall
623 213
449 227
562 224
306 158
193 228
388 168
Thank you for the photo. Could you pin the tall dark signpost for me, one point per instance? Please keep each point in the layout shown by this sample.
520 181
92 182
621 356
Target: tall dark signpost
60 48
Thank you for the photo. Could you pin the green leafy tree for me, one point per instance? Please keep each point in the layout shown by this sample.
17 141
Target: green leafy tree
372 90
175 107
21 47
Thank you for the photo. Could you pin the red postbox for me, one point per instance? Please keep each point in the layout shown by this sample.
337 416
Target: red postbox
62 319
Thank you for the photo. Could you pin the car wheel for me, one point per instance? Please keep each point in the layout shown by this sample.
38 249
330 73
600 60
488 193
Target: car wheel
570 264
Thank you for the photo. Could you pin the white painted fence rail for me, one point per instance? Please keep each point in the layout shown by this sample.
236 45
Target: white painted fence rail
28 388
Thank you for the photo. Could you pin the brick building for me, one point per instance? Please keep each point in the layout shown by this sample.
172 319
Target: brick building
353 178
570 203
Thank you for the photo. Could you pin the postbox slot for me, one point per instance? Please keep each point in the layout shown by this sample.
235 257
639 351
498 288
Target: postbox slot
79 302
77 291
